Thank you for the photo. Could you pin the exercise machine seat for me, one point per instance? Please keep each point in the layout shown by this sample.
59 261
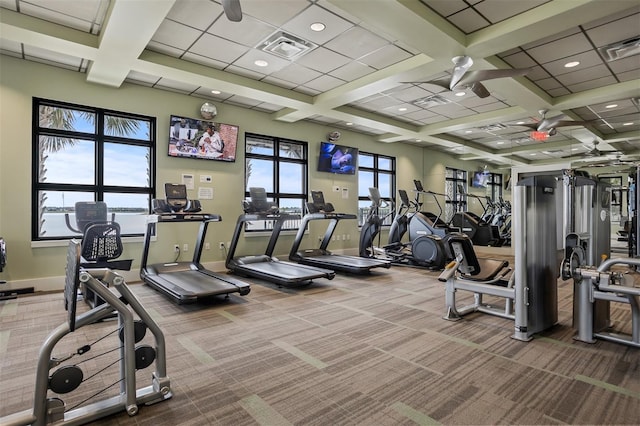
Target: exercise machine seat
471 267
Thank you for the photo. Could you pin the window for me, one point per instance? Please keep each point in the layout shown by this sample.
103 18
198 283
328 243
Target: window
378 171
455 188
83 153
280 167
494 186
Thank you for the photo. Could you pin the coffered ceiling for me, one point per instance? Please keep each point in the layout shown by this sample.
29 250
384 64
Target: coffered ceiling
371 69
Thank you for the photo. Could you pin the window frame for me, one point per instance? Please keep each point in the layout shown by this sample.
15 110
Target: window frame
276 195
377 171
100 140
455 201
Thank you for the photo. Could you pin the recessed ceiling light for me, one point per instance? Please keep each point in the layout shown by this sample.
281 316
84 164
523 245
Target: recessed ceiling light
520 122
461 93
418 140
402 109
533 154
468 131
500 142
261 63
215 92
348 123
574 149
571 64
317 26
611 106
628 124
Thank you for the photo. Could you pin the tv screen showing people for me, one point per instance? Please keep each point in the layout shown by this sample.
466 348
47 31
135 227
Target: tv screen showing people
193 138
338 159
479 179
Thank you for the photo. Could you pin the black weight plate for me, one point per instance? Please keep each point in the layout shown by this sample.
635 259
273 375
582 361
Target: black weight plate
66 379
139 331
145 355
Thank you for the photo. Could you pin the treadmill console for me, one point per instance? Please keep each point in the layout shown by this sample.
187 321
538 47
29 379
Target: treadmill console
176 201
259 203
318 204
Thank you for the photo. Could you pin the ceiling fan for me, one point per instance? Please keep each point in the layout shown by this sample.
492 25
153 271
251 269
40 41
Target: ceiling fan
232 10
461 77
595 152
550 125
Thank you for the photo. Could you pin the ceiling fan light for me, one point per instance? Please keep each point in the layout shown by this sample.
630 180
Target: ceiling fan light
539 136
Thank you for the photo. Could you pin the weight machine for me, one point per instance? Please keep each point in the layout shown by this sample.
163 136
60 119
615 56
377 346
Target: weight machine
587 262
48 409
530 292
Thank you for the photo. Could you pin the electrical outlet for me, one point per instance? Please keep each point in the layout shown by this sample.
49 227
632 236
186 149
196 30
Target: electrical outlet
176 248
221 245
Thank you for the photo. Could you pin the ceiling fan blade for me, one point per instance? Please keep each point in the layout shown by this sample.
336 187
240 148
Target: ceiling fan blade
549 123
232 10
483 75
479 89
461 65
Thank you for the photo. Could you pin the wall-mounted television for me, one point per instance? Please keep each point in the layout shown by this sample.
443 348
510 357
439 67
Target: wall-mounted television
479 179
208 140
338 159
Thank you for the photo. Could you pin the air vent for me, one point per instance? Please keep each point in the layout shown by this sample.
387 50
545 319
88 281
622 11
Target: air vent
493 127
620 49
286 45
431 101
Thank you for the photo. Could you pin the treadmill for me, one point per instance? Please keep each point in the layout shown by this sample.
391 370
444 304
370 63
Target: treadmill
266 266
321 257
185 282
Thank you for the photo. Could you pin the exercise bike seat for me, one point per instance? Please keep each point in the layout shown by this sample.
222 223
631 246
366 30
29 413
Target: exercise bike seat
471 267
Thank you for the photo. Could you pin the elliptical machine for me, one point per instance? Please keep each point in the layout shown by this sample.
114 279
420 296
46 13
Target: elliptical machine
425 248
481 232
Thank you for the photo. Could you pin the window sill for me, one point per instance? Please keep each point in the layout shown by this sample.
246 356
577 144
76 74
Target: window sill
65 242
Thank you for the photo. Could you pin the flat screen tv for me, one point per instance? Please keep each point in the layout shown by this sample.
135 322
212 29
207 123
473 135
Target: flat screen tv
479 179
208 140
338 159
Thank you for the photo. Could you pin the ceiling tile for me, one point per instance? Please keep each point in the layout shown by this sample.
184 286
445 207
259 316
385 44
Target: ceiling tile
324 83
248 60
561 48
446 7
295 74
78 15
582 75
176 85
300 24
274 12
468 21
238 70
323 60
587 60
499 10
386 56
199 14
615 31
217 48
173 34
352 71
356 42
164 49
192 57
591 84
249 32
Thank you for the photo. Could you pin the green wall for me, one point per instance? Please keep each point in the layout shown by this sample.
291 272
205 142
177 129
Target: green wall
43 267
